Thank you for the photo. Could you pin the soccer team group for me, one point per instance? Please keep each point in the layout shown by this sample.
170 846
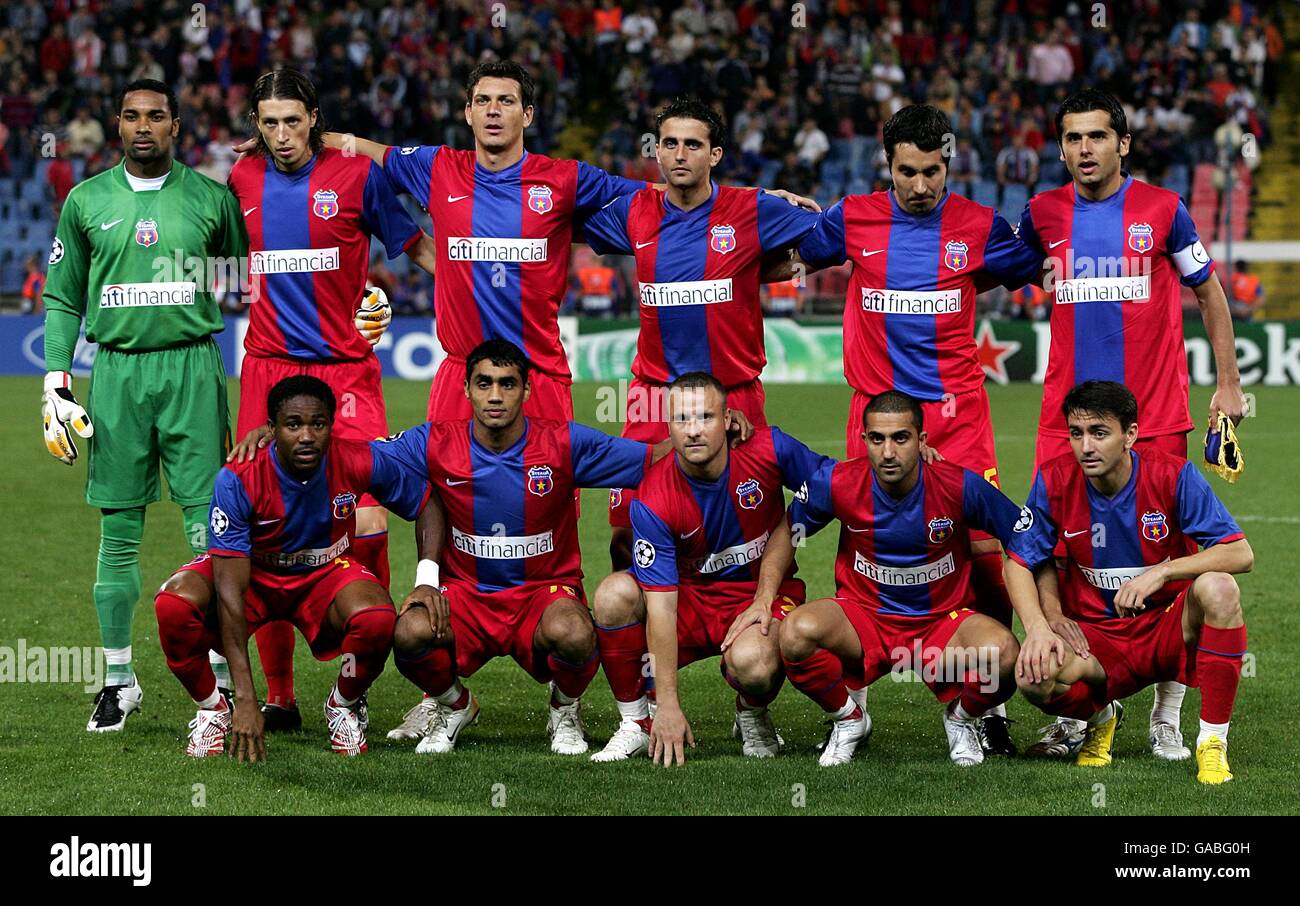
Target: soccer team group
1119 565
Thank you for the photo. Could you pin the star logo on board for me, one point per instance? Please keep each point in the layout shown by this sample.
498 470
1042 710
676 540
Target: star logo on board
993 354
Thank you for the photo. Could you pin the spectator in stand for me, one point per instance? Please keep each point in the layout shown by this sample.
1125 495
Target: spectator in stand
60 177
1016 164
964 168
811 143
33 286
1247 293
85 135
639 31
1050 64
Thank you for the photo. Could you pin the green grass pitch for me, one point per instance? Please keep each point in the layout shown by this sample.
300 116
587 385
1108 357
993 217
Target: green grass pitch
52 766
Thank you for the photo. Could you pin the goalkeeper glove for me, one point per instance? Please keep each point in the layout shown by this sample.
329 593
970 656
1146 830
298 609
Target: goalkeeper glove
59 411
374 315
1222 451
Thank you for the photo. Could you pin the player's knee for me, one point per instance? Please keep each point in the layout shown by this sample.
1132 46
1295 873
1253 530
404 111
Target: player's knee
1036 693
411 632
370 631
1219 597
189 585
1007 650
799 634
614 603
569 632
752 661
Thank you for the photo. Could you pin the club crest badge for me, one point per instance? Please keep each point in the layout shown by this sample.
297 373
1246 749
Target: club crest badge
1141 237
540 199
749 494
955 255
146 233
345 505
722 238
540 480
1155 526
615 498
325 203
940 529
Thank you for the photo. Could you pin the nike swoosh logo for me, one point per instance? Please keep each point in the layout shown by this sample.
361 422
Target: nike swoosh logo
858 530
251 210
867 254
109 226
453 484
451 199
691 532
1074 534
267 521
642 245
1052 245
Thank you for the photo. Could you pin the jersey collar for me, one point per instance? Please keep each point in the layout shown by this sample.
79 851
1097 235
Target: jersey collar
119 174
1117 198
900 213
509 173
1123 493
671 208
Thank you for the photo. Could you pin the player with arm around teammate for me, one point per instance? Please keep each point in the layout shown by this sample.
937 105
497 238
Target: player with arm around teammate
282 527
902 574
1148 581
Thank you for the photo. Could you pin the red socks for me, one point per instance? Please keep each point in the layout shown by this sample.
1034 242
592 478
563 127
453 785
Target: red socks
432 671
572 679
622 653
275 643
1078 703
991 598
1218 671
367 639
185 643
372 551
820 677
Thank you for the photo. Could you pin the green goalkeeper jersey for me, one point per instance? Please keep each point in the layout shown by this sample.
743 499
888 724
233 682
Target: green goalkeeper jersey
140 266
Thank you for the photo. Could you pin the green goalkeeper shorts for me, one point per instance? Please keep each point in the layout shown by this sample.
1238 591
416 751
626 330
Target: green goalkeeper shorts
167 406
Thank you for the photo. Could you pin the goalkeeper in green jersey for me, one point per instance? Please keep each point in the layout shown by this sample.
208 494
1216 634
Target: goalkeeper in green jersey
134 255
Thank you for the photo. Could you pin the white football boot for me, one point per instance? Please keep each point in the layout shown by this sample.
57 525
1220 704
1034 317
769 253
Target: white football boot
630 739
347 735
753 726
568 735
208 730
445 727
113 705
415 723
1061 739
963 740
1167 742
845 736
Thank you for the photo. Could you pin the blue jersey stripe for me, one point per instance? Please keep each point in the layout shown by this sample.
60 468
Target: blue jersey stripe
498 211
307 509
496 479
913 264
900 540
285 207
1122 548
721 524
1097 240
680 255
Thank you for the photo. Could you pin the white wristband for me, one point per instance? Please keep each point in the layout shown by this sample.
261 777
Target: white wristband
426 573
56 380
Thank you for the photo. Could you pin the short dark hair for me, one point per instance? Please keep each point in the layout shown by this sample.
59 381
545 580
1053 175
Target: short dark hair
501 353
299 385
698 380
501 69
1102 399
892 401
287 84
692 108
149 85
922 125
1087 99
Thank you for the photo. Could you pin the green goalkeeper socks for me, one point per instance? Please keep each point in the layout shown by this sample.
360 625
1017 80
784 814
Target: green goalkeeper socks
117 586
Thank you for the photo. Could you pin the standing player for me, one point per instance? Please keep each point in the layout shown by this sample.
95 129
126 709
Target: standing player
903 594
283 527
699 249
158 387
1118 249
310 212
920 256
500 571
700 523
1144 606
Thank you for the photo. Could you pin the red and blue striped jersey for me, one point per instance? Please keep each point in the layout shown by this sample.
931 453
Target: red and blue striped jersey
510 515
309 251
909 313
689 530
1164 512
503 243
260 511
1117 312
911 555
699 273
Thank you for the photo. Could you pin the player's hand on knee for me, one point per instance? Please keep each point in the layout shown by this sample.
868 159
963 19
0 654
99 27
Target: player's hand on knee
1035 660
435 605
247 734
60 412
1069 630
739 427
374 315
254 440
670 734
759 613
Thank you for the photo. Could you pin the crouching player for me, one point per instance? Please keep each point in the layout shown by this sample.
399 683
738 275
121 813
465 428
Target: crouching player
282 526
700 523
500 572
903 590
1140 603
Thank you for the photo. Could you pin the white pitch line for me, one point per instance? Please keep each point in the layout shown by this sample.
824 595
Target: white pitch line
1287 520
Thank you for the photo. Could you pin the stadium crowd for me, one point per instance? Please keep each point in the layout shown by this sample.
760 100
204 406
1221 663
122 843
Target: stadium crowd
804 88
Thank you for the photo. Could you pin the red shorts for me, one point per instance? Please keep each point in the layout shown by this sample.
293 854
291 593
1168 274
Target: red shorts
1050 446
494 624
358 393
890 641
645 403
1140 651
960 428
706 612
301 599
550 397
